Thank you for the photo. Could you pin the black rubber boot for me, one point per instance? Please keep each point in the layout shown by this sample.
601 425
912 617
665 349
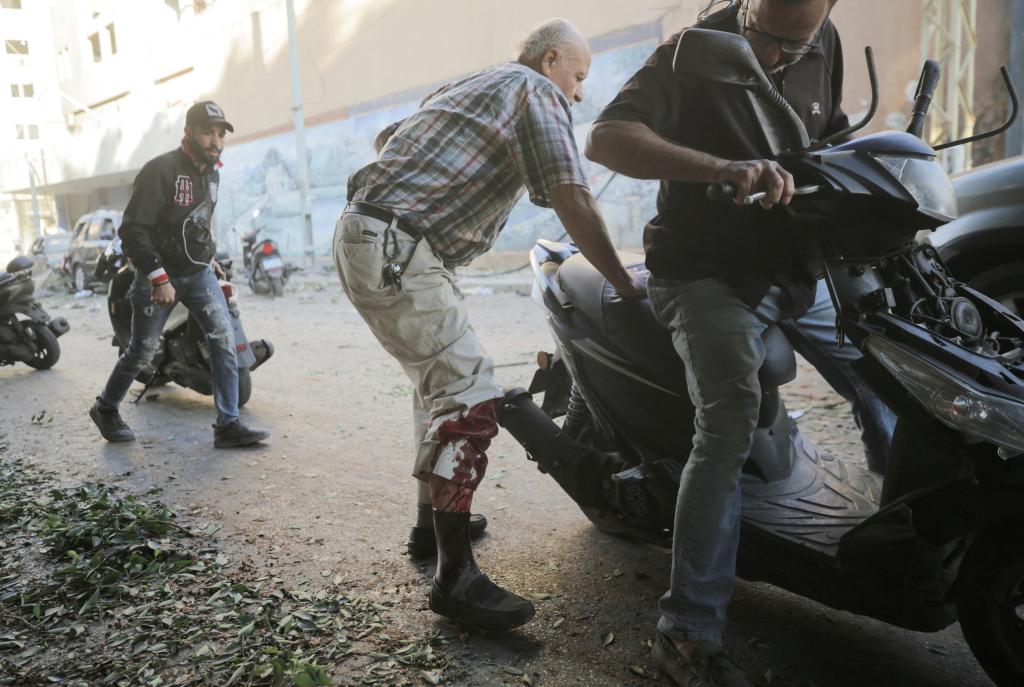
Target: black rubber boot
422 543
236 434
110 424
462 592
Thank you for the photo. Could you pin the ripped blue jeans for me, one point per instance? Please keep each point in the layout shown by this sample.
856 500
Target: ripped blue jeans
201 294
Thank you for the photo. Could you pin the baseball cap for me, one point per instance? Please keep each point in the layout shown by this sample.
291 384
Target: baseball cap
206 112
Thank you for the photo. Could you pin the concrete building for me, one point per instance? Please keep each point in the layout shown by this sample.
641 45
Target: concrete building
124 71
30 122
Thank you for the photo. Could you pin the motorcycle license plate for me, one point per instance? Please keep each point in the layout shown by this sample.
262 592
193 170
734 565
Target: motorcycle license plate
273 263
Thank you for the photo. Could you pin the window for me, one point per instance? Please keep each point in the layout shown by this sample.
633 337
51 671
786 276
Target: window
10 4
16 47
113 39
26 131
107 233
15 91
25 90
97 53
95 232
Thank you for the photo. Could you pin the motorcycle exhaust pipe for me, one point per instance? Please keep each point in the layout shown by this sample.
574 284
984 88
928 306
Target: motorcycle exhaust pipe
577 469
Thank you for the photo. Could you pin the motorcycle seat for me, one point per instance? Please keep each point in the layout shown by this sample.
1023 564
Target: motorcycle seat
631 325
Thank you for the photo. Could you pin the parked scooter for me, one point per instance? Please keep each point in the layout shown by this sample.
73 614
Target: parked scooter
933 539
182 356
32 338
264 266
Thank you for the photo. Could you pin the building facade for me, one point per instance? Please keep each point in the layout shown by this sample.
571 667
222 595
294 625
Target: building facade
124 71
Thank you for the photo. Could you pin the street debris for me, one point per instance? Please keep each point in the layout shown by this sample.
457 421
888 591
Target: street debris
101 588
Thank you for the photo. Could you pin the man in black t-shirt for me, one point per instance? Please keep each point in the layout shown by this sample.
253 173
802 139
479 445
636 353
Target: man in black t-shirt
720 275
166 233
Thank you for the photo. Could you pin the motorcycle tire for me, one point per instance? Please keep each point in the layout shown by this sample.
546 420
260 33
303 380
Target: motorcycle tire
990 603
1005 284
244 386
47 349
276 287
80 280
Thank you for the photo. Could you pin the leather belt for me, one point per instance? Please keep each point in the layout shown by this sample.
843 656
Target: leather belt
381 214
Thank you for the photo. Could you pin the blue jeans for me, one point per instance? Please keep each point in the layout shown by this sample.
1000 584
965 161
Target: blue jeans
201 294
718 337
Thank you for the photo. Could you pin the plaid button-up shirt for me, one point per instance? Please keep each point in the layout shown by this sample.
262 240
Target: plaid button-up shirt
455 168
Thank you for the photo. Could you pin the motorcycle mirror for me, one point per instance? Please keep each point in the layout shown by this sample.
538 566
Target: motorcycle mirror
923 97
724 58
1014 111
727 59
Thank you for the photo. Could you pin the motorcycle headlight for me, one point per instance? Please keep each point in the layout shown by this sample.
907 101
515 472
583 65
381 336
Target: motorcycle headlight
955 403
926 182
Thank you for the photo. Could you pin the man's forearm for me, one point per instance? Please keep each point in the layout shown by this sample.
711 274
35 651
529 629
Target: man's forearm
137 243
578 212
631 148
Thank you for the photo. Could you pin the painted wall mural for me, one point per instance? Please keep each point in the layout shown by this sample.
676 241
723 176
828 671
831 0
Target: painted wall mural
259 185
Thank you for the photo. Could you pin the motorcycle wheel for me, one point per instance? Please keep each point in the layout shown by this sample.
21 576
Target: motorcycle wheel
990 603
1005 284
79 278
276 287
47 349
244 386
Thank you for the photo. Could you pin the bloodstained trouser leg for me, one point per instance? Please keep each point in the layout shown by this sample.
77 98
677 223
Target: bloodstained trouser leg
461 453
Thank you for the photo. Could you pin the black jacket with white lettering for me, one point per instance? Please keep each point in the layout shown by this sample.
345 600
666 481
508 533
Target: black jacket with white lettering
166 226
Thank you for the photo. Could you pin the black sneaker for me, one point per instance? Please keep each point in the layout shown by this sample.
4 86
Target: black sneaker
110 424
236 434
423 544
708 666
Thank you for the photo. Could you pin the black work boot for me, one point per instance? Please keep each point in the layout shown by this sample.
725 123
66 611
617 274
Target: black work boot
235 434
422 543
462 592
110 424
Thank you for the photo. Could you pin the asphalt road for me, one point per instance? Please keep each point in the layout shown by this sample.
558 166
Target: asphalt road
330 491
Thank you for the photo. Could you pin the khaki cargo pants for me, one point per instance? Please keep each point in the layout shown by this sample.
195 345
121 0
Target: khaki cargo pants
425 328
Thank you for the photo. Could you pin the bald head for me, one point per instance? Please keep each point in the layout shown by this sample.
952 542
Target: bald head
560 52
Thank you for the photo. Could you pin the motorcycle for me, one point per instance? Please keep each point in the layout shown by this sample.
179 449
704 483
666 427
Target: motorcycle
183 356
264 265
932 537
31 339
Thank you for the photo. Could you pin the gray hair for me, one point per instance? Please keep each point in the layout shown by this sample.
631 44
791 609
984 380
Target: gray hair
554 33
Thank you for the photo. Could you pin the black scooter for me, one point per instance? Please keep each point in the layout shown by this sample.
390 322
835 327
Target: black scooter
182 356
934 536
266 269
31 339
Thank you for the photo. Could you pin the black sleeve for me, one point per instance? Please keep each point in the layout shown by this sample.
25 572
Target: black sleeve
150 193
653 96
838 119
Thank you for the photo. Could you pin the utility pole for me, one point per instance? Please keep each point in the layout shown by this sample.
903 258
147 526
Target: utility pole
298 122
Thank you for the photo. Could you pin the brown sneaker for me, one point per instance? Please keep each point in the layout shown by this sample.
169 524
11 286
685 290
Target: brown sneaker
708 666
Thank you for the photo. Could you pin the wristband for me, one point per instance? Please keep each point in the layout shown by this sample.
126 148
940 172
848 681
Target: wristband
158 277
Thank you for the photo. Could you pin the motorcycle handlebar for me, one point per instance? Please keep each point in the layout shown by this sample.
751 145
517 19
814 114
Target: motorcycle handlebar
726 190
926 86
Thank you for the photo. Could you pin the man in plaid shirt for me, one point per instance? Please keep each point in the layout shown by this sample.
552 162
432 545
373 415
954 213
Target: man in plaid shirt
440 191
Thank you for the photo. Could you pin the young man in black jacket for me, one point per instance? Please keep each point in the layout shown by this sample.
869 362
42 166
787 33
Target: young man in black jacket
166 234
